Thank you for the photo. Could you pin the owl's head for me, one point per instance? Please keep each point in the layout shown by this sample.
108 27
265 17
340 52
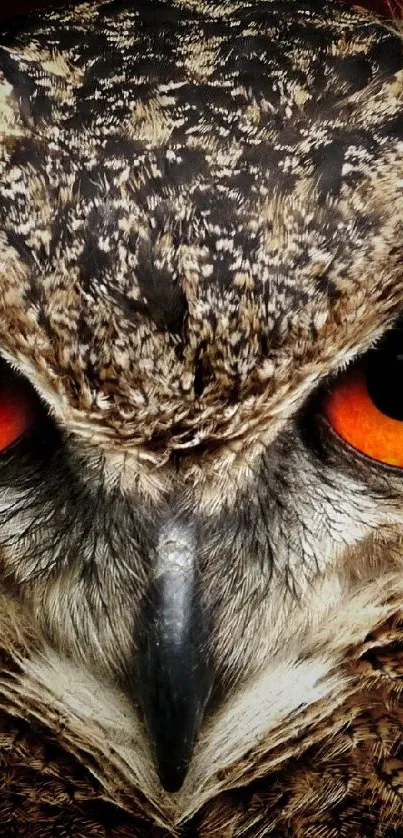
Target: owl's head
201 467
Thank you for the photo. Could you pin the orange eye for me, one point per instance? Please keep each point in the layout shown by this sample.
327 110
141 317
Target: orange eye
18 407
365 406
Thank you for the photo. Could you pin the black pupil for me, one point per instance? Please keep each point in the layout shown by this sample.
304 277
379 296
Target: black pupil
384 373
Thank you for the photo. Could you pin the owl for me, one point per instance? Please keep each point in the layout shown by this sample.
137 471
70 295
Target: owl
201 421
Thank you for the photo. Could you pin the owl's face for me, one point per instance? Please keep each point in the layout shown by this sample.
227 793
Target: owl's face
202 479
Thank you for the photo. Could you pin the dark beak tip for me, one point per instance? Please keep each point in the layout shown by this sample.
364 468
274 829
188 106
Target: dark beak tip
174 742
173 701
172 776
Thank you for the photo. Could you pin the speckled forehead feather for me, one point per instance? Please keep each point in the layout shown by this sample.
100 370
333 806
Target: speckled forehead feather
200 207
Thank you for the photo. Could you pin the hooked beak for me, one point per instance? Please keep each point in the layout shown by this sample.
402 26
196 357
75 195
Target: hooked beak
174 673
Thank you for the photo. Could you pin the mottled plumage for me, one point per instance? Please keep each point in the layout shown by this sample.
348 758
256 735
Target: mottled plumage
200 223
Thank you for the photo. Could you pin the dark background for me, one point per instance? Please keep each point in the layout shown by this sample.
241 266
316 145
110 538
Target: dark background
21 6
